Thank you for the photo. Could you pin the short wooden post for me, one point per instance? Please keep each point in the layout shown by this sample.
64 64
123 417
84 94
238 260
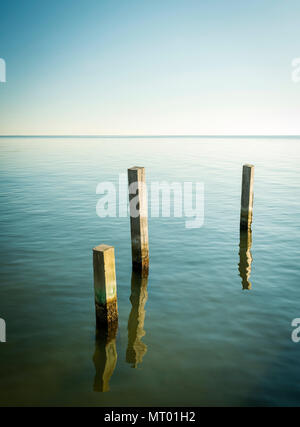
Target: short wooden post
105 284
138 219
247 197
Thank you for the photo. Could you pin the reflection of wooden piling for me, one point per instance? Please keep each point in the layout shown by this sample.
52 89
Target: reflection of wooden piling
245 257
105 284
138 219
136 348
247 197
105 356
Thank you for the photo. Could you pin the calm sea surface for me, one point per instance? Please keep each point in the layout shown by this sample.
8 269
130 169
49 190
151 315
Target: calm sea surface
211 326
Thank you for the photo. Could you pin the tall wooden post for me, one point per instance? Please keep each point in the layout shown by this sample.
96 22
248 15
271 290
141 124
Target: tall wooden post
138 219
105 284
247 197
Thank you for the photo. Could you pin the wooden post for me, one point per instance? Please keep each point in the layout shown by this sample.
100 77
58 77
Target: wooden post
105 284
245 257
138 219
247 197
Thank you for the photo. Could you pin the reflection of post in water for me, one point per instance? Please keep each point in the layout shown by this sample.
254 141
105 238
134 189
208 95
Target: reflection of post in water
245 257
136 349
105 356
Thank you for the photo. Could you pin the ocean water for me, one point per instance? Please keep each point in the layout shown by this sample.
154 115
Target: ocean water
210 326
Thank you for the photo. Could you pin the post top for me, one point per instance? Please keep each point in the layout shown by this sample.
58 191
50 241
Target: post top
248 165
102 248
135 168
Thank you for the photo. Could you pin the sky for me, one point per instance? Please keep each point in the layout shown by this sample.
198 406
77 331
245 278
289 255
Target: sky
149 67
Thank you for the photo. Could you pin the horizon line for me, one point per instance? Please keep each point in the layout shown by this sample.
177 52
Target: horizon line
149 136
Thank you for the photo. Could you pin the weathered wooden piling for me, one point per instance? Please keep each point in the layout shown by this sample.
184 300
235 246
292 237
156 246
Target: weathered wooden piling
247 197
105 284
138 219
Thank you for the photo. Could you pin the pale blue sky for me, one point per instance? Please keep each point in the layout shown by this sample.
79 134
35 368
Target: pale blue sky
149 67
